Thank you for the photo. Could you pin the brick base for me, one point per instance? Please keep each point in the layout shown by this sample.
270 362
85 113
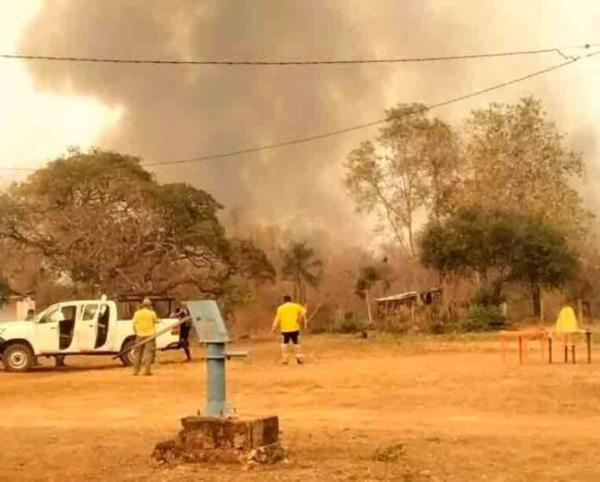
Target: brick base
222 440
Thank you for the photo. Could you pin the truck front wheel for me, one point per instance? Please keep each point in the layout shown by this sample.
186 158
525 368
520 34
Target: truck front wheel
128 358
17 357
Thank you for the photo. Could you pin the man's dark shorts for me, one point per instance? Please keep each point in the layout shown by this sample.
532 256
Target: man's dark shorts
290 337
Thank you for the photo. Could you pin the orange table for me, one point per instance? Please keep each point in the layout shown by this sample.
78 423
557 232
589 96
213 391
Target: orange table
523 336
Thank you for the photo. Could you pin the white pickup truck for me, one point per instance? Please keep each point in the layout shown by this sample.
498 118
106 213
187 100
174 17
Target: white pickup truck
86 327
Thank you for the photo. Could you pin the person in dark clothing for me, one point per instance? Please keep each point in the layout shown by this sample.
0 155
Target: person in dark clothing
184 331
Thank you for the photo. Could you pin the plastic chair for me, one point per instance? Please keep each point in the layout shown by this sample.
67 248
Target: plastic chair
566 330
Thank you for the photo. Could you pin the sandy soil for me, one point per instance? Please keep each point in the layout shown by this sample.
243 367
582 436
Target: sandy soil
457 411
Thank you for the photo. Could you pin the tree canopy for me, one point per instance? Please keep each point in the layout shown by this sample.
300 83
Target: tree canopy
100 219
508 155
368 276
303 267
499 246
412 165
517 158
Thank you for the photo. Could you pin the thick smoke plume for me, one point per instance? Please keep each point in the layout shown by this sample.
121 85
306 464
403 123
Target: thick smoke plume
182 112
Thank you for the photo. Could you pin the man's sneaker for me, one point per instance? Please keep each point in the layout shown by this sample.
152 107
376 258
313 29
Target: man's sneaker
300 362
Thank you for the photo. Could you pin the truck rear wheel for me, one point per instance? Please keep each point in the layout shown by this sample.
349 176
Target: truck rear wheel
127 359
17 357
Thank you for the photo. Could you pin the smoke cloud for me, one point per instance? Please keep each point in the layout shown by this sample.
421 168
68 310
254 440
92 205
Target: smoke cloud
186 111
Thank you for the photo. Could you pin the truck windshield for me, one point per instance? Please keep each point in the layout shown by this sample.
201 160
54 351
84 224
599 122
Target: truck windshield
51 314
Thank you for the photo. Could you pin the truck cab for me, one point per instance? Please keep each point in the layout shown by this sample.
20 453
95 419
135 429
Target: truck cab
76 327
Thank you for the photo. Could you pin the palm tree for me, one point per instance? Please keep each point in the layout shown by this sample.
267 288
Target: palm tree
367 279
301 266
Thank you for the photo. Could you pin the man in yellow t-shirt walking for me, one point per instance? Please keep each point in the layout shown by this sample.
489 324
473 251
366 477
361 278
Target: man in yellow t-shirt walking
144 322
288 318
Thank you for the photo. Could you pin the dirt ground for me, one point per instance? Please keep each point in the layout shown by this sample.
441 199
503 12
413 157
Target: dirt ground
444 409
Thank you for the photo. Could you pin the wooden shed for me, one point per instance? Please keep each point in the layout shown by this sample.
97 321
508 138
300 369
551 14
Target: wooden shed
404 305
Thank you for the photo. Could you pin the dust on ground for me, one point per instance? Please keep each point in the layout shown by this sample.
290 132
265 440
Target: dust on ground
377 409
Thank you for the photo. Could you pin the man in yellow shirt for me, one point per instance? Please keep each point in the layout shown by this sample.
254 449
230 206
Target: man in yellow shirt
144 322
288 318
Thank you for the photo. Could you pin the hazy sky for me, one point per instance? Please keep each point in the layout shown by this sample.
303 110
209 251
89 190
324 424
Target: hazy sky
163 113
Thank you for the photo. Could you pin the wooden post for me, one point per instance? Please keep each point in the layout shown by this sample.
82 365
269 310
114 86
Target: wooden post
541 307
368 301
588 336
521 350
550 350
580 311
573 353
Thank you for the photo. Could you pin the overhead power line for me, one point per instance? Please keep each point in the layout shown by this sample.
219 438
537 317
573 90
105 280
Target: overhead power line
356 127
364 125
231 63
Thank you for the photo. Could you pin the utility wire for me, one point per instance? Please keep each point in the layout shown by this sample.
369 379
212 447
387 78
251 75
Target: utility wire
369 124
356 127
231 63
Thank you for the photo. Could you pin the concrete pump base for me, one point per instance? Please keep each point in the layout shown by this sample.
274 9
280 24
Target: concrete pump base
223 440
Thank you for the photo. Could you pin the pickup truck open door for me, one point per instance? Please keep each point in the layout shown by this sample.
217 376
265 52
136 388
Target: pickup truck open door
87 326
54 330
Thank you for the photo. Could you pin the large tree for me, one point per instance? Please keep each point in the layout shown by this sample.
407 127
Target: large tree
518 159
542 259
412 165
100 219
499 246
471 241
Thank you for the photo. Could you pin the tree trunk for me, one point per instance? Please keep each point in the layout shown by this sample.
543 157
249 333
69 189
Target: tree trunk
368 301
297 291
411 241
303 298
536 299
496 291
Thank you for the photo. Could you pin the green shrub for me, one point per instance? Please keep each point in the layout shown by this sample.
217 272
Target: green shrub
350 324
482 318
320 326
486 297
325 322
322 322
438 328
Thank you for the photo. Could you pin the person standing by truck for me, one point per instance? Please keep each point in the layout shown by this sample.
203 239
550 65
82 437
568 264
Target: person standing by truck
144 326
184 330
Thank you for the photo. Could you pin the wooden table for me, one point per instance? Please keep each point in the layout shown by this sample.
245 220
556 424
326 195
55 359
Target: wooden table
567 340
543 336
523 336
